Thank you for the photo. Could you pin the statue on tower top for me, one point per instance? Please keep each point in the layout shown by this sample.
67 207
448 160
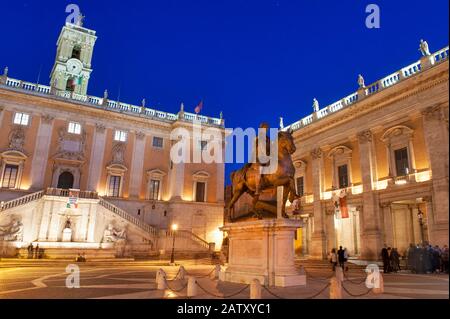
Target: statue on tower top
80 19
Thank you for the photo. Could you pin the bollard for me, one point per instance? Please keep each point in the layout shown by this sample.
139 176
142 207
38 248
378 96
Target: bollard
380 288
216 272
255 289
339 274
161 279
181 273
335 288
192 286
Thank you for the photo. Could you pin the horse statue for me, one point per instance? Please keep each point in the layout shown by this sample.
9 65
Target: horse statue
243 180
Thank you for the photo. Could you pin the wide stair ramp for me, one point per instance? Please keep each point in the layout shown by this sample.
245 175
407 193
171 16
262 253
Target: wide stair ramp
21 200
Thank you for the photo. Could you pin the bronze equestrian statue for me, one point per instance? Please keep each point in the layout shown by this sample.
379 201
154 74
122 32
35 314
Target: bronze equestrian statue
249 180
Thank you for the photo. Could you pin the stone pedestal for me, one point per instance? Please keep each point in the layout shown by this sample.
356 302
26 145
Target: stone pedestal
67 235
262 250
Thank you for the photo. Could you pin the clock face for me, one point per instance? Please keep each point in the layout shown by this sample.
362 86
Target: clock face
74 66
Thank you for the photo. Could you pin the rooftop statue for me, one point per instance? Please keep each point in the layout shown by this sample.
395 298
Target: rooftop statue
424 49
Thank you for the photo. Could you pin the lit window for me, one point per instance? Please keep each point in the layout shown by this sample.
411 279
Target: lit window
120 136
74 128
21 118
154 189
203 145
200 190
114 186
157 142
10 176
343 176
300 188
401 162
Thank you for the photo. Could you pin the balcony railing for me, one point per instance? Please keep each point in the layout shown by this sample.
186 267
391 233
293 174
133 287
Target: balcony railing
111 105
371 89
21 200
68 192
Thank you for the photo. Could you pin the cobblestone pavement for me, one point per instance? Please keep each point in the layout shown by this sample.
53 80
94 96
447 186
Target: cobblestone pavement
136 280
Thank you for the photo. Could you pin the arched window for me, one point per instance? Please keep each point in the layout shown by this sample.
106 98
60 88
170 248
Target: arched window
70 85
76 52
65 180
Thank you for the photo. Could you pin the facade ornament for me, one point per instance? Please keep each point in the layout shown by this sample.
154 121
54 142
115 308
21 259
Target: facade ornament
47 118
100 128
365 136
143 102
80 20
432 113
105 98
71 146
118 153
427 199
17 139
221 115
385 204
12 232
281 123
424 49
361 81
112 235
140 135
315 105
316 153
5 71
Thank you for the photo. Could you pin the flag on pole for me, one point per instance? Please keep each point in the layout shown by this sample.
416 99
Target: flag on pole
199 107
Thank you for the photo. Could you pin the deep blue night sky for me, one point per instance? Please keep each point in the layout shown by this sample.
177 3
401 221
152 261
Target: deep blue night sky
255 60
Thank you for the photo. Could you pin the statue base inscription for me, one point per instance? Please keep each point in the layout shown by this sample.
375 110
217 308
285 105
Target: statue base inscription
263 250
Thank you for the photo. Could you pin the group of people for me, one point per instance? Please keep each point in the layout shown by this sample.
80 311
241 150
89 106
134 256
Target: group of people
424 258
35 252
391 259
339 257
421 259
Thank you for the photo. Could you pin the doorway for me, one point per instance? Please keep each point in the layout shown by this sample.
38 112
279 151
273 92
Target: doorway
65 180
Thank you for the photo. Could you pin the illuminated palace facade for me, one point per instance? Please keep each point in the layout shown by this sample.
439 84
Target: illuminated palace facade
386 146
80 172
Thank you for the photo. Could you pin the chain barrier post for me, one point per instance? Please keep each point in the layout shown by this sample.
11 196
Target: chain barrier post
216 272
335 288
161 279
181 273
379 288
255 289
191 286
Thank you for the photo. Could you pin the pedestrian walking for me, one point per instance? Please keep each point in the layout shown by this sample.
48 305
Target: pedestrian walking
341 258
333 258
385 258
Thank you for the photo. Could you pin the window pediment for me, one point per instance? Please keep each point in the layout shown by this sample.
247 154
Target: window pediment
201 175
340 150
398 132
155 174
116 169
13 156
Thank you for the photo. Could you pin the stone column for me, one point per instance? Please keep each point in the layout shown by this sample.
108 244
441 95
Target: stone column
96 160
40 156
370 219
318 239
436 139
137 165
388 230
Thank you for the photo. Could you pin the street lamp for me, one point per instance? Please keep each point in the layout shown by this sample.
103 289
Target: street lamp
172 257
420 217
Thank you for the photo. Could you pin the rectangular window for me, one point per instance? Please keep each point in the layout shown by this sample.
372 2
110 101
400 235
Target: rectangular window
21 118
200 191
203 145
74 128
10 176
157 142
154 189
343 176
300 189
120 136
114 186
401 161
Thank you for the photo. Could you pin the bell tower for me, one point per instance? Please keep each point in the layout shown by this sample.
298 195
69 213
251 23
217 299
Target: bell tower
72 68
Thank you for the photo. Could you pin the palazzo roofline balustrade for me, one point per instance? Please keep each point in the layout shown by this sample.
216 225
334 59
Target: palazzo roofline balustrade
371 89
107 104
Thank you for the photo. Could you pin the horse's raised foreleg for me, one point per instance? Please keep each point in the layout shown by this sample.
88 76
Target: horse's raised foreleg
286 191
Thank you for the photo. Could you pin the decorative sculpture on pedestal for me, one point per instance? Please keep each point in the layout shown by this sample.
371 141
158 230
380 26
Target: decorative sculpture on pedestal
12 232
250 180
424 49
112 235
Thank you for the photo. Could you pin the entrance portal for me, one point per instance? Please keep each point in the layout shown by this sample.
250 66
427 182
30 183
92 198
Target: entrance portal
65 180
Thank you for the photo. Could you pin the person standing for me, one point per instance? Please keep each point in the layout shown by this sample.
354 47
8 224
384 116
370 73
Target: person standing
444 257
345 257
341 257
333 258
30 251
385 258
36 252
410 256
